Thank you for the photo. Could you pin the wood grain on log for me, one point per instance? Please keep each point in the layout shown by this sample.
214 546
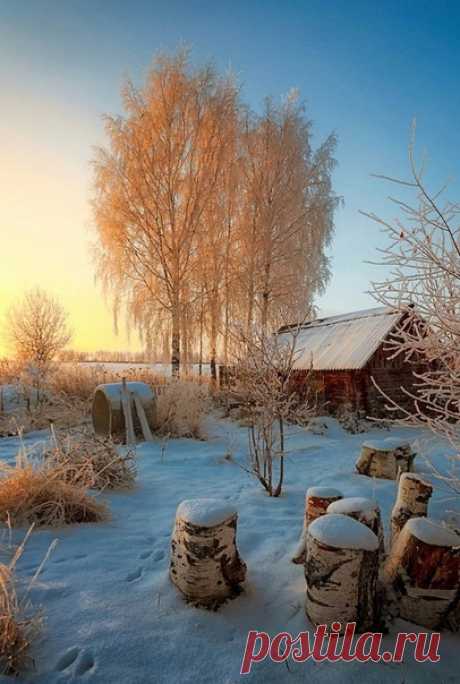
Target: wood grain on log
205 564
423 569
317 500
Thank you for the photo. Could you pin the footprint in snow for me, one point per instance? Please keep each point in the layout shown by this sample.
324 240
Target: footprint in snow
67 659
64 559
135 575
145 554
85 663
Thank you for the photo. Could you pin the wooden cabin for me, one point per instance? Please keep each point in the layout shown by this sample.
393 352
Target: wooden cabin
345 352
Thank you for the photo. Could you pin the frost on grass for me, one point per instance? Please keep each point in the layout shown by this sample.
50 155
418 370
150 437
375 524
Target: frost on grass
91 461
45 494
181 409
19 622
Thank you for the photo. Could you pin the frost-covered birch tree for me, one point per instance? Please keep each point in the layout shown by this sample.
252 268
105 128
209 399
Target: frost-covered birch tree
153 183
207 214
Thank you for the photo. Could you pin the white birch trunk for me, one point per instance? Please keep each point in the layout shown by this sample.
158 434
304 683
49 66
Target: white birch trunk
317 500
412 502
423 569
341 572
205 564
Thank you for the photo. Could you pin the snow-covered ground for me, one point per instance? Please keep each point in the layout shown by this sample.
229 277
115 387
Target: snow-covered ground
112 616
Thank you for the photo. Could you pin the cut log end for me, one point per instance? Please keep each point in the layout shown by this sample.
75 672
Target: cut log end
317 500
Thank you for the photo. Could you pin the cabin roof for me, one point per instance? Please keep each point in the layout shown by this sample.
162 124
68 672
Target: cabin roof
344 342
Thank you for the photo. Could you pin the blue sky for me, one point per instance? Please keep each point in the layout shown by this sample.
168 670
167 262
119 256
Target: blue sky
365 69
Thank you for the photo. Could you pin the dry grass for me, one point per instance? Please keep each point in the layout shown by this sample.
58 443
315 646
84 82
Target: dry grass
14 628
56 410
18 622
43 494
73 380
91 461
181 408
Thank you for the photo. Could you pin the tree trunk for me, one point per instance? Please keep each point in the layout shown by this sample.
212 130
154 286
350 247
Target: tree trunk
424 570
200 360
366 511
385 460
205 564
341 572
227 297
175 342
412 502
317 500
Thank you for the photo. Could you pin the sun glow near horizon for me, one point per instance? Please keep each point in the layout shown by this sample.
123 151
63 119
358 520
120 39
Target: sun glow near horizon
45 231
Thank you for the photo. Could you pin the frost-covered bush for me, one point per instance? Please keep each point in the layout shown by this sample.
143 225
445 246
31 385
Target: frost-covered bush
181 409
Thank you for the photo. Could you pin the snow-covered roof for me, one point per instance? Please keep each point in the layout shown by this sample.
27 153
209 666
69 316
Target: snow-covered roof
344 342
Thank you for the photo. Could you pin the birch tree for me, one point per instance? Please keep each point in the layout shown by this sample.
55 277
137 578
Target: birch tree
207 214
288 221
153 183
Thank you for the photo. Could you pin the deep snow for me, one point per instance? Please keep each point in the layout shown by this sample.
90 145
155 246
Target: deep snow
111 614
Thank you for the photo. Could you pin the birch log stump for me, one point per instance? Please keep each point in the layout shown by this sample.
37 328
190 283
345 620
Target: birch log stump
423 569
205 563
363 510
412 502
341 572
317 500
385 459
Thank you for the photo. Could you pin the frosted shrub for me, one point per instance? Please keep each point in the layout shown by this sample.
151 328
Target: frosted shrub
45 494
181 408
91 461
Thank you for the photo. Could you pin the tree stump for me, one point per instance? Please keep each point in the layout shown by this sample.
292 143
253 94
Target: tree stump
412 502
364 510
385 459
341 572
424 570
205 563
317 500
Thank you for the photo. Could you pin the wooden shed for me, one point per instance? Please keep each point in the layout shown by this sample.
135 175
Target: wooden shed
345 352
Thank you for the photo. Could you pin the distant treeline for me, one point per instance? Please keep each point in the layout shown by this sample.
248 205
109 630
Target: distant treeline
106 356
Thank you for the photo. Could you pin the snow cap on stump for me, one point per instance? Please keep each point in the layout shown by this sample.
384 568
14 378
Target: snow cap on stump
352 504
323 492
205 512
433 533
342 532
